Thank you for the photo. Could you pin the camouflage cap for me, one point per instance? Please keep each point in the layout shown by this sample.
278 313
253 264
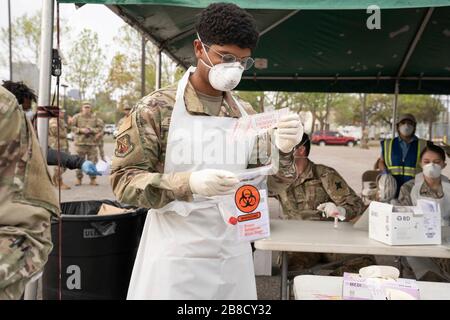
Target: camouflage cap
86 103
406 116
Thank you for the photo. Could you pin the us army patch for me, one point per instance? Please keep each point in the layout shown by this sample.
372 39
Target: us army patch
124 146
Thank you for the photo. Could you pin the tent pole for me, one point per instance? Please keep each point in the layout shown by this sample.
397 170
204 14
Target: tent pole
143 67
292 13
158 69
10 41
45 68
394 109
416 39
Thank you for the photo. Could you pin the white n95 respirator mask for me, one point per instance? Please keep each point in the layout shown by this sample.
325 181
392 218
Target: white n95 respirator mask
406 129
432 170
223 76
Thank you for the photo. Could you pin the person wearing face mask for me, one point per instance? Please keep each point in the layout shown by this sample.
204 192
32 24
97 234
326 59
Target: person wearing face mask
319 193
400 156
430 185
188 250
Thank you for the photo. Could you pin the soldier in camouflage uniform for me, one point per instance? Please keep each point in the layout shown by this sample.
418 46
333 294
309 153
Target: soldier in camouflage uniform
63 145
27 201
139 177
86 125
428 269
317 184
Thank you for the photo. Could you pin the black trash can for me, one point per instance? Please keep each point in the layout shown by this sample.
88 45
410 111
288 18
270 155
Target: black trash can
98 252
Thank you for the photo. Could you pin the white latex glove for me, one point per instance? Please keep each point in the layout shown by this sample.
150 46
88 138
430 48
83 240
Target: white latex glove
332 211
212 182
288 132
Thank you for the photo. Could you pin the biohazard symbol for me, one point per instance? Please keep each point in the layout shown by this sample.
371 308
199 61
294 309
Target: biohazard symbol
247 198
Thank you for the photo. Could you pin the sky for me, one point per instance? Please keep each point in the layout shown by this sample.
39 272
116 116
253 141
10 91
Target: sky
95 17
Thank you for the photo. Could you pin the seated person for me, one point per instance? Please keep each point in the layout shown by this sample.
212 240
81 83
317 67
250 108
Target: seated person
319 193
430 185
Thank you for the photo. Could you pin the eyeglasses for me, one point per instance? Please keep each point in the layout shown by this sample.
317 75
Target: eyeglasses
246 62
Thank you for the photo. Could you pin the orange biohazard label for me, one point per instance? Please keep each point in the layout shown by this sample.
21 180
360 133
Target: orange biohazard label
247 198
250 216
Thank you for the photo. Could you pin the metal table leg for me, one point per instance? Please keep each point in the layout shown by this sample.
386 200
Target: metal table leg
284 274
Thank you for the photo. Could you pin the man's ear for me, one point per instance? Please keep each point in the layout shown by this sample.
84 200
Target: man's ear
445 164
198 48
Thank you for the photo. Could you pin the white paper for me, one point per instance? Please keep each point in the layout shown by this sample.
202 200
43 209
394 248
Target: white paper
104 167
256 124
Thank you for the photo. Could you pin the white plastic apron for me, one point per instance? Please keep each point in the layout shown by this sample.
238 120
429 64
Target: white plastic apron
187 251
444 202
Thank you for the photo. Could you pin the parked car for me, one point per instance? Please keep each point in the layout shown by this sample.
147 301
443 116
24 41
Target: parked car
109 128
324 137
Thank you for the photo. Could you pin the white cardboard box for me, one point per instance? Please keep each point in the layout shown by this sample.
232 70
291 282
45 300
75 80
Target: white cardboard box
397 225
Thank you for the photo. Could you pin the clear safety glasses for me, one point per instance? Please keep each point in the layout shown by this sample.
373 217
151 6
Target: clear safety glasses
246 62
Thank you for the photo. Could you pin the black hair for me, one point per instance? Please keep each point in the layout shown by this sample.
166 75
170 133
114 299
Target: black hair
20 90
306 143
431 147
226 23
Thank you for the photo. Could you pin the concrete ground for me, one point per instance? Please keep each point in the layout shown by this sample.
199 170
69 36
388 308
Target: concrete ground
349 162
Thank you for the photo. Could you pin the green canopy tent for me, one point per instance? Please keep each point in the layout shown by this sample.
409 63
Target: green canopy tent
315 46
320 46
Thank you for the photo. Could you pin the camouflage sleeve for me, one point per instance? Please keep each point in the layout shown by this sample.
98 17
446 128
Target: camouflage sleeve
138 164
25 244
404 197
75 128
99 126
11 118
341 194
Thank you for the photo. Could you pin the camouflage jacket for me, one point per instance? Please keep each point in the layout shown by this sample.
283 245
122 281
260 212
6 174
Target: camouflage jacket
138 176
24 177
121 121
93 123
53 134
404 197
316 185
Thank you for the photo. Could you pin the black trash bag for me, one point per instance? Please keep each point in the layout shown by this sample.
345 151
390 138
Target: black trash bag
98 252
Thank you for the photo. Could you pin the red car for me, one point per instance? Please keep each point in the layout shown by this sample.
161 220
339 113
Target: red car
323 138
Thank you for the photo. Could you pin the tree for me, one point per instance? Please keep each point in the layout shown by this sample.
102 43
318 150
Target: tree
320 105
255 98
26 32
85 63
345 110
26 37
121 80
